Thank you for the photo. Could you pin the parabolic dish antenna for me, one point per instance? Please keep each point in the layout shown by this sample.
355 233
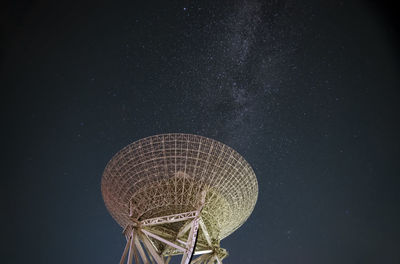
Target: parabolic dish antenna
178 194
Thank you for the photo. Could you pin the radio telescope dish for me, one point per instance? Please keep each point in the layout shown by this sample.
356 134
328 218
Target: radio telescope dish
178 194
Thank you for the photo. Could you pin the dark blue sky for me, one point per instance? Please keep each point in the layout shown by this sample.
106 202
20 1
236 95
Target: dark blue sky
306 91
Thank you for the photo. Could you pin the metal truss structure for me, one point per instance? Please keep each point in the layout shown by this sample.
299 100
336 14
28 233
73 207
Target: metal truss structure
178 194
155 245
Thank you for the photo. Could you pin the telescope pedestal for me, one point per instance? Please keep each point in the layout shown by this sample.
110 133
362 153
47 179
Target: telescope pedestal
140 237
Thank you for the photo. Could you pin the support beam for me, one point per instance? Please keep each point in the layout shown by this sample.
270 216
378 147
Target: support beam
205 232
125 251
131 245
191 243
163 240
169 219
202 252
184 229
151 249
135 253
141 251
151 259
201 259
181 241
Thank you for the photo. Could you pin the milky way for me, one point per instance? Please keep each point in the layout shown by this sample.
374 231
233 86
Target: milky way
238 71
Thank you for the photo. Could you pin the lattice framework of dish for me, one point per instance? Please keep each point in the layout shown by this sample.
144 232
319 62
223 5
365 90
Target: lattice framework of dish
166 174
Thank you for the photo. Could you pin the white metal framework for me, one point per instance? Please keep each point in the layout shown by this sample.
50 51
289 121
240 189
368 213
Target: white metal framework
140 239
178 194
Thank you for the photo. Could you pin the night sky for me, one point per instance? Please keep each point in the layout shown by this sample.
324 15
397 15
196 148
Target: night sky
306 91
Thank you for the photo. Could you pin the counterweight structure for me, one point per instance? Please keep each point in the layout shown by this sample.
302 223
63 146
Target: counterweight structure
178 194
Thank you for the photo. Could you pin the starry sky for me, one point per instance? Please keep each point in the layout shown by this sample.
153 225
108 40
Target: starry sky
306 91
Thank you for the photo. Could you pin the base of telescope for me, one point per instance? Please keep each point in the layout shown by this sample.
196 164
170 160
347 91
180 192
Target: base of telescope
140 237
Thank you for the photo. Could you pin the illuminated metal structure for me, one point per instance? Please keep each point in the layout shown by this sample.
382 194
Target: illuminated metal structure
178 194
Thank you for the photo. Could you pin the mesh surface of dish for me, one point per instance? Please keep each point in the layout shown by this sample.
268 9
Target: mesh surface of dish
166 174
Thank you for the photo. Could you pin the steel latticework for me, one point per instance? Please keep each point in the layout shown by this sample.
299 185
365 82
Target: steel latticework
178 194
